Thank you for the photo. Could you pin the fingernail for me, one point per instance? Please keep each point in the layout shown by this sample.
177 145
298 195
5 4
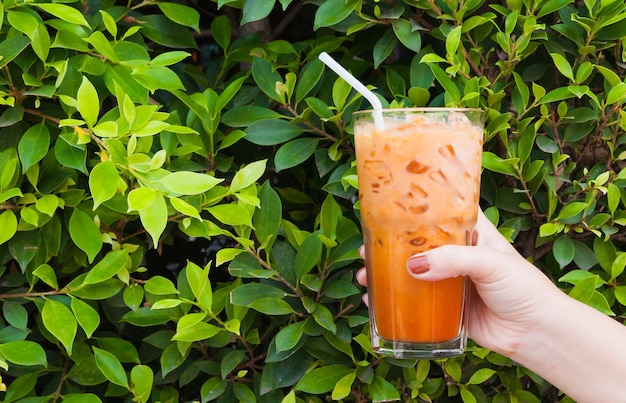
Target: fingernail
418 264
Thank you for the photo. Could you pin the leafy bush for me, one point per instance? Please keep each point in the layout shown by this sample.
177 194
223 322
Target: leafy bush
177 188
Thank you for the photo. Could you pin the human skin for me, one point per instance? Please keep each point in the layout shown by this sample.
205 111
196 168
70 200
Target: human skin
517 311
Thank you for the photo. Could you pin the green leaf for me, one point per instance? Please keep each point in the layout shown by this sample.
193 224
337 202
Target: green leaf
308 254
108 267
268 132
408 36
24 352
103 182
563 250
221 29
343 387
8 225
180 14
231 214
189 183
494 163
481 376
133 295
294 153
141 380
200 284
383 47
11 47
254 10
248 175
267 79
323 379
21 386
191 328
246 294
81 398
154 218
332 12
110 367
571 209
60 322
64 12
453 40
267 217
584 289
87 102
230 362
159 285
563 65
213 388
15 314
87 317
382 391
33 145
289 336
85 233
271 306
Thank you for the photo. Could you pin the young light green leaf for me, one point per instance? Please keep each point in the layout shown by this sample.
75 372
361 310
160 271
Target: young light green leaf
87 317
46 273
108 267
248 175
200 284
110 367
343 387
103 182
85 233
254 10
181 14
231 214
64 12
141 380
154 217
189 183
8 225
183 207
159 285
87 102
60 322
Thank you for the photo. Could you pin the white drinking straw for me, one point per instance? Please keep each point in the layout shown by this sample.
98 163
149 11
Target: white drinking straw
357 85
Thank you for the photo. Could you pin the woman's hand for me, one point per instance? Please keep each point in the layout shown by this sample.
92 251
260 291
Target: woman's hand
509 294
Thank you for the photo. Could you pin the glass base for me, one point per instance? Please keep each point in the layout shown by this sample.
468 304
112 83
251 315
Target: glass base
403 349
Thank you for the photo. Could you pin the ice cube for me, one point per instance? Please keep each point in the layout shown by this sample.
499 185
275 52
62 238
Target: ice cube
438 176
418 191
458 118
416 167
421 209
447 151
419 241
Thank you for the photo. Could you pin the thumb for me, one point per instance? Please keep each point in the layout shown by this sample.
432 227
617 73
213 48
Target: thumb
481 264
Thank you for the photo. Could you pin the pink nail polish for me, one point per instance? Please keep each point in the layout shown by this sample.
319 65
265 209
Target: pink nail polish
418 264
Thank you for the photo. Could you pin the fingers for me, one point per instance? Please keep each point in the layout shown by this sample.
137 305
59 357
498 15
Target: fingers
478 262
361 277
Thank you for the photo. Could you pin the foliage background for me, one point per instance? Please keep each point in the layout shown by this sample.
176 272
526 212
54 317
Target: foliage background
177 189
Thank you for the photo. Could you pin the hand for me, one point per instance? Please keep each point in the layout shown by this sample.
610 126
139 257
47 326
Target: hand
509 294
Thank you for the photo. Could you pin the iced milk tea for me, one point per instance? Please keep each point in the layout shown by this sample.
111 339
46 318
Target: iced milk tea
418 189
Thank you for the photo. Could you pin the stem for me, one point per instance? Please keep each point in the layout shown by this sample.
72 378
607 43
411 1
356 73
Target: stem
276 274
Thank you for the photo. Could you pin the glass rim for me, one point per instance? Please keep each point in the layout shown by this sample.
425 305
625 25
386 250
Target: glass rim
419 109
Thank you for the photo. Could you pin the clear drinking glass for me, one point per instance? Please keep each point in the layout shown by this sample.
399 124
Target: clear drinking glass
419 184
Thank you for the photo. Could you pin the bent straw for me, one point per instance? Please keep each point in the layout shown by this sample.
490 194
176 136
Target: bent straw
357 85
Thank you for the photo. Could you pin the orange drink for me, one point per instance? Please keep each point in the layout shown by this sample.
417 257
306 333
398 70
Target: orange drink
418 189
